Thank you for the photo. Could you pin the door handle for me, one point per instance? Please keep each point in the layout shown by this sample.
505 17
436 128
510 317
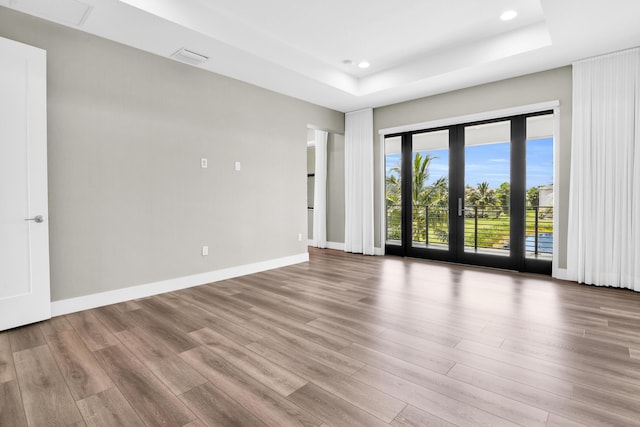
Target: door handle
460 208
37 218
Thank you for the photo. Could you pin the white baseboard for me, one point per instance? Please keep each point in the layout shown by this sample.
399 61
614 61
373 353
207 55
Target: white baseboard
335 245
86 302
340 247
330 245
560 273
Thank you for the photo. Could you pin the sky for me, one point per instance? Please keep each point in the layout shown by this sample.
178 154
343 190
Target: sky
491 163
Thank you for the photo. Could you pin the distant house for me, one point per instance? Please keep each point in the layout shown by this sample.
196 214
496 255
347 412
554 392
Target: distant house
545 194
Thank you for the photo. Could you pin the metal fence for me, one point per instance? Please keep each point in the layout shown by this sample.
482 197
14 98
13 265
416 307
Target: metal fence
484 228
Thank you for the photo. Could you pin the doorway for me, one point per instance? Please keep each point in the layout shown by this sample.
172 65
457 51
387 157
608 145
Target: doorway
477 193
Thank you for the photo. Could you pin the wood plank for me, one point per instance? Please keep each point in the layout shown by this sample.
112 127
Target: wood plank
7 371
261 401
181 319
414 417
493 403
380 404
273 376
11 409
439 359
238 331
55 325
80 369
161 360
113 318
25 337
108 408
558 421
94 334
127 306
163 329
326 356
502 362
305 330
619 395
215 408
339 329
331 409
210 304
598 361
588 414
46 398
447 408
152 401
275 305
177 375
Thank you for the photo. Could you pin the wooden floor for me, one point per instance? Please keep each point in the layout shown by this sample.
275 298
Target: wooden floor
344 340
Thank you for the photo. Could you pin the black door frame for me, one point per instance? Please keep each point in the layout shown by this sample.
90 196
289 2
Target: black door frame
456 253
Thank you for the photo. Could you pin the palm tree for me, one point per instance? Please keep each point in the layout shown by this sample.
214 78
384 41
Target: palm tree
503 193
420 177
434 197
482 197
393 197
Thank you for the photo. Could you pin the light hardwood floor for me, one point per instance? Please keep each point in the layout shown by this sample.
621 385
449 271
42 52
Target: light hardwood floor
344 340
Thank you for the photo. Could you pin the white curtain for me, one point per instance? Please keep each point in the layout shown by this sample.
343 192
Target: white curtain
359 182
604 200
320 191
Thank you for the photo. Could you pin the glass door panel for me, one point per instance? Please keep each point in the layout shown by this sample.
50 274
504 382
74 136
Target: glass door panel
539 185
487 188
393 190
430 190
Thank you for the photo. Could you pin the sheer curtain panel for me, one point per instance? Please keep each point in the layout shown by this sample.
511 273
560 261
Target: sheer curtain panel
604 199
359 182
320 191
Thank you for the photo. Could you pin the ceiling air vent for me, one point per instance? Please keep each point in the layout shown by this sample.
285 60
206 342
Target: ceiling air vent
189 57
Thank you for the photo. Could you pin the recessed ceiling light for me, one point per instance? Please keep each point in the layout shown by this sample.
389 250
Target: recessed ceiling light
508 15
363 64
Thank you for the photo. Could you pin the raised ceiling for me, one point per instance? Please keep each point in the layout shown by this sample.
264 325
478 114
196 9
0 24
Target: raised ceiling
416 48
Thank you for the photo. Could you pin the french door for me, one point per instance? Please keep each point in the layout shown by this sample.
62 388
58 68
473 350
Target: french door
476 193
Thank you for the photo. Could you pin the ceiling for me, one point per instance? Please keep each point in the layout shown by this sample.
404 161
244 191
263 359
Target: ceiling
310 49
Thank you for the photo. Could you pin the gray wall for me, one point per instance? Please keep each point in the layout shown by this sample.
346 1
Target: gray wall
129 204
530 89
335 188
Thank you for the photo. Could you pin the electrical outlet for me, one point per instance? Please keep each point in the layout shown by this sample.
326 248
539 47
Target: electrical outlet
237 166
299 237
204 163
205 250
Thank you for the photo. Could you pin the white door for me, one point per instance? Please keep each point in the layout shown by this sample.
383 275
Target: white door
24 231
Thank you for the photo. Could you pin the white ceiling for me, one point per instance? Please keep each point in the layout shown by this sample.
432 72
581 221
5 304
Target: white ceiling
416 47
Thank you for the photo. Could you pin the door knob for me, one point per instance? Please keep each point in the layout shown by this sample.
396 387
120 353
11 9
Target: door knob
37 218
